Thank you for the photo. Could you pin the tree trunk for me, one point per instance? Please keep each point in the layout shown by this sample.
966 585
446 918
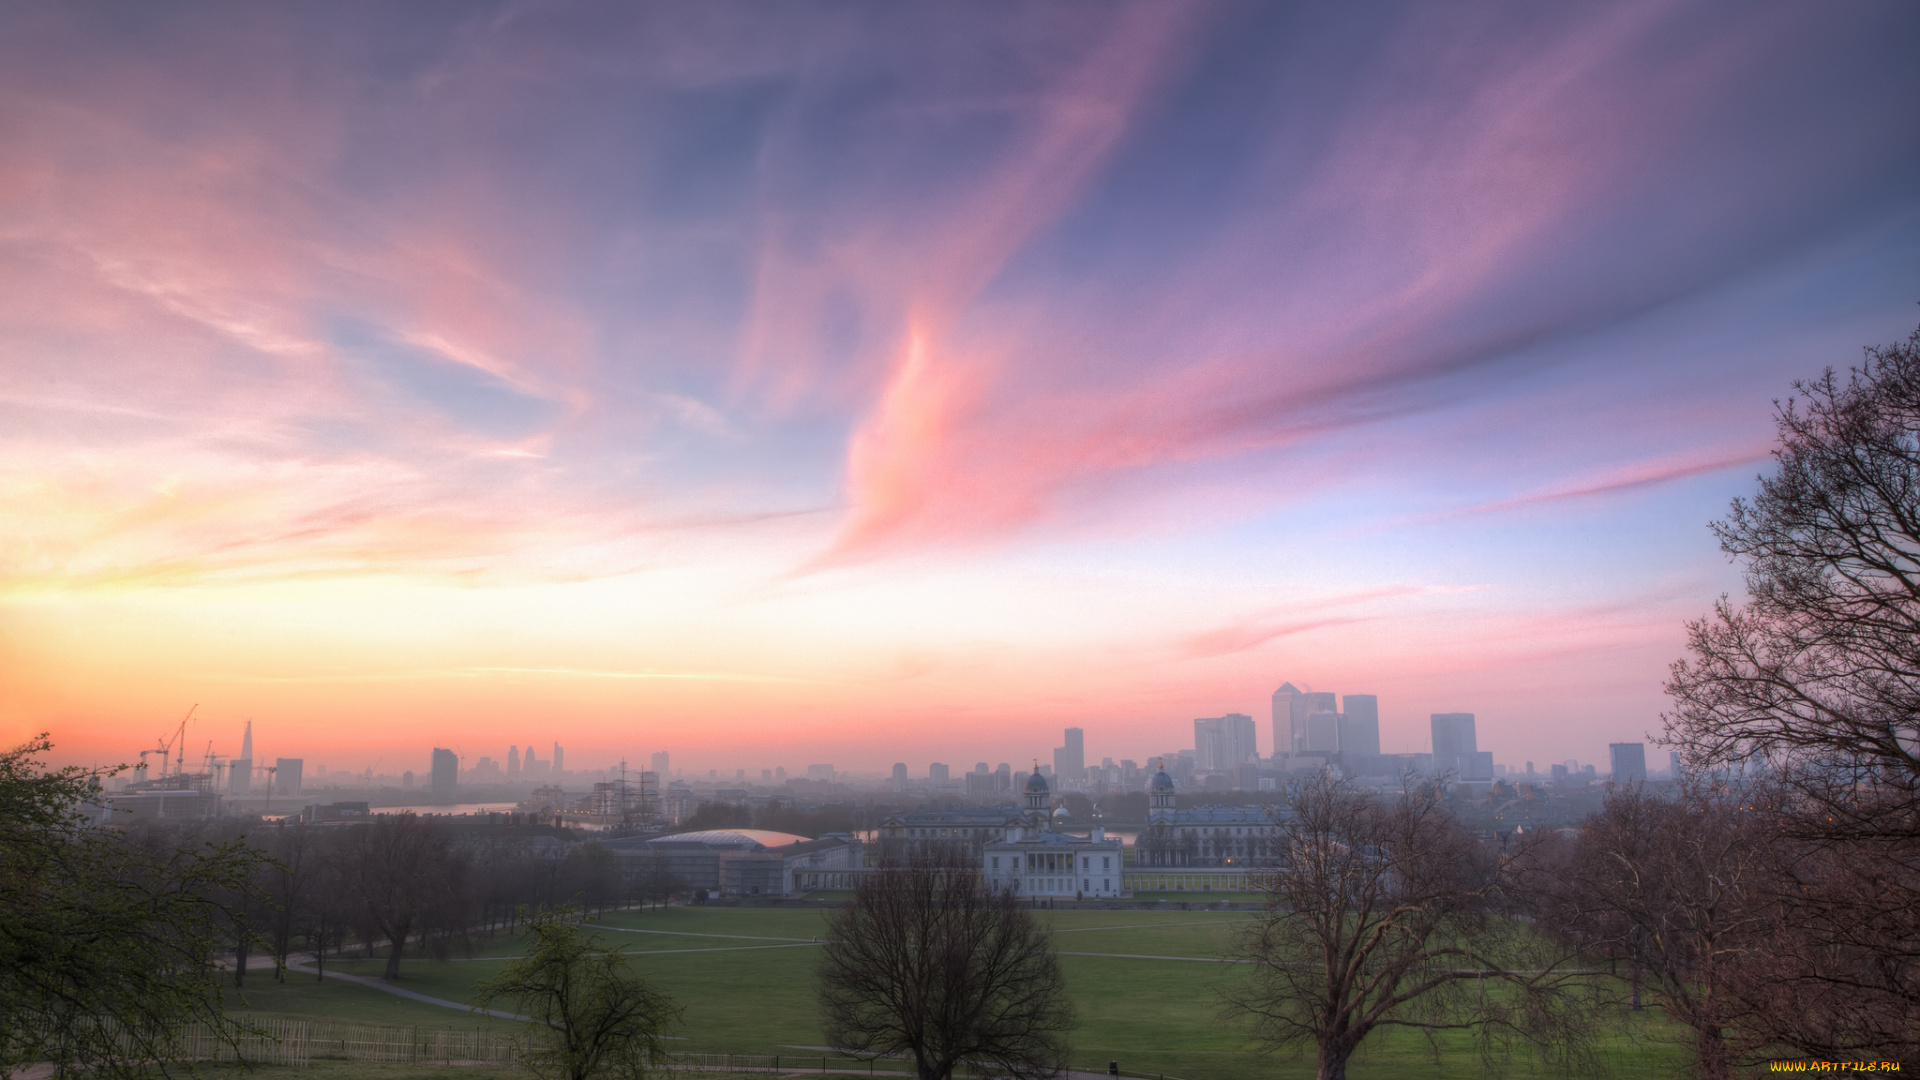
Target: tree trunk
240 960
1333 1063
399 941
1710 1052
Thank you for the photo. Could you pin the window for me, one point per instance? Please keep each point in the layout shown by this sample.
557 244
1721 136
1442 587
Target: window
996 862
1106 883
1106 862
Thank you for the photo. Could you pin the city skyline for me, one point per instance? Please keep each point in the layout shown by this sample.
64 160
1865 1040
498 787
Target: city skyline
807 387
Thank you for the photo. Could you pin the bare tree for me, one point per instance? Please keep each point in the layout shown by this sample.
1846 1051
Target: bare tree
1677 888
407 881
927 964
1385 914
1813 686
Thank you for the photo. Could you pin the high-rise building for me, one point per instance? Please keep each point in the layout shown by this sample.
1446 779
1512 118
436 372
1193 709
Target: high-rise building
559 758
900 775
1360 725
981 767
1454 744
1070 761
1283 718
286 775
938 773
1675 768
513 764
1003 777
446 770
1222 742
660 765
1322 733
1629 762
240 770
1453 734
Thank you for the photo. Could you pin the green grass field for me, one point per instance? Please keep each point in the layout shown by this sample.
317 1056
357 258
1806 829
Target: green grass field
1146 993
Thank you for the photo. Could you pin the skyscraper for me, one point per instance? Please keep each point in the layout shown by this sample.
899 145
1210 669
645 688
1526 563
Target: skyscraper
900 776
1360 725
513 764
1322 729
446 770
286 775
559 758
1456 749
660 765
1221 742
1283 718
1298 705
938 773
1070 761
1453 733
240 770
1629 762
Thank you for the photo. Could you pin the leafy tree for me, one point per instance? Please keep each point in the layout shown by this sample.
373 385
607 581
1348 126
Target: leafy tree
1811 689
1384 914
593 1016
107 949
927 964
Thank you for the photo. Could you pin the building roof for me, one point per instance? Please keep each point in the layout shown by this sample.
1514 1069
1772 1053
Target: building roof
744 839
957 815
1053 838
1037 783
1222 815
1162 782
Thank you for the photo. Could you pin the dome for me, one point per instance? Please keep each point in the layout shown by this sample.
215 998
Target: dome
1037 784
1060 814
1162 782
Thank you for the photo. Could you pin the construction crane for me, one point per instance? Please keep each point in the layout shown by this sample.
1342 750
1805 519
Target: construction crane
179 738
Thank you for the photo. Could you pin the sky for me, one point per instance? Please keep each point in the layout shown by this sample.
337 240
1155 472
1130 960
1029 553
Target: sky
809 382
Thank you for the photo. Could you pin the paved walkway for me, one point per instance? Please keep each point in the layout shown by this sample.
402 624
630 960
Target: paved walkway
412 995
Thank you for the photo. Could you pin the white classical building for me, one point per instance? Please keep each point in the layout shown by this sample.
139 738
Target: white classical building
1034 861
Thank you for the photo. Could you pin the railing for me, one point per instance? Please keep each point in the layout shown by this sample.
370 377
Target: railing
302 1042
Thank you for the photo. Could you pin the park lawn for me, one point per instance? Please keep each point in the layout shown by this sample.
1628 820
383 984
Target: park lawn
1152 1016
302 996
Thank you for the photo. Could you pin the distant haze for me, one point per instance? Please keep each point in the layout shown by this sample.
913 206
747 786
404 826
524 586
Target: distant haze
779 384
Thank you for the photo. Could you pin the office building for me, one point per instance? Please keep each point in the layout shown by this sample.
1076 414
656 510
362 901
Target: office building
559 758
1070 761
1360 725
660 765
1456 749
1291 707
513 764
1322 733
1283 718
938 774
1629 762
1675 768
1222 742
286 775
446 770
240 772
900 776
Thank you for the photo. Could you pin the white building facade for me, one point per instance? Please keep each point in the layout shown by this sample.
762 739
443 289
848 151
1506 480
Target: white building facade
1034 861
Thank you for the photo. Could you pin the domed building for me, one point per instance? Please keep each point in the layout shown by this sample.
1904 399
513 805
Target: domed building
1213 837
1039 860
743 862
